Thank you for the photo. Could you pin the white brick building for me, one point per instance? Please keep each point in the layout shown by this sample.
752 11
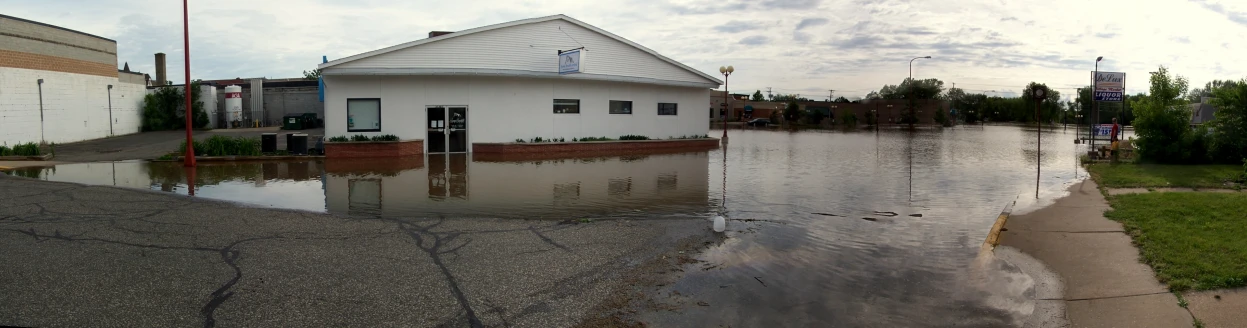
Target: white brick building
61 85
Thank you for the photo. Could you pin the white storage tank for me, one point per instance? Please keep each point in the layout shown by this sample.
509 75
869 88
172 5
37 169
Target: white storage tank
233 106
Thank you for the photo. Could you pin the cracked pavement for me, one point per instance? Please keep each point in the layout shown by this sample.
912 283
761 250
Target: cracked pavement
79 255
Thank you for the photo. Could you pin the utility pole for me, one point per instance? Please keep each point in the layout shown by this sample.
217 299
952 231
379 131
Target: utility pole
768 94
831 95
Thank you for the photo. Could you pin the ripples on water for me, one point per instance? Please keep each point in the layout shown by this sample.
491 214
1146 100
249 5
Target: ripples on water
902 214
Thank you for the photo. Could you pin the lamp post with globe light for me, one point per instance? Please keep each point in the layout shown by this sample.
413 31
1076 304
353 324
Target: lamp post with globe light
726 72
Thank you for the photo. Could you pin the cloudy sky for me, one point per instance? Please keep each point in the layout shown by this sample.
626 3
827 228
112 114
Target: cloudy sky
791 46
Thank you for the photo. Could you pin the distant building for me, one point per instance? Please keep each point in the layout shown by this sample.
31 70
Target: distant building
1202 112
61 85
549 77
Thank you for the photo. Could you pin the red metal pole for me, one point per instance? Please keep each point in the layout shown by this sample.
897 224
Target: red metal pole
186 39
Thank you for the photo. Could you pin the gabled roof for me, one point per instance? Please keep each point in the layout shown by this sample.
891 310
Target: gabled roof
510 24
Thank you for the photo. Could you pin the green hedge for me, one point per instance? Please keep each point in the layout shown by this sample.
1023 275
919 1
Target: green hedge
224 146
361 138
22 149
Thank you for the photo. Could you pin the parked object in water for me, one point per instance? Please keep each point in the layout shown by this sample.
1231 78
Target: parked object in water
758 122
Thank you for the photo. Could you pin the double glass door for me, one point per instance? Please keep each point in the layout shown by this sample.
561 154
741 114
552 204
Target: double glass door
447 129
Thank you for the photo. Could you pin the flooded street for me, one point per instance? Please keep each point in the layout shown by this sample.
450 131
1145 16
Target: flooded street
857 228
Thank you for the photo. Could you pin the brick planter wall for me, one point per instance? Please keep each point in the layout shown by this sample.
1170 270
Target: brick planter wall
367 149
594 147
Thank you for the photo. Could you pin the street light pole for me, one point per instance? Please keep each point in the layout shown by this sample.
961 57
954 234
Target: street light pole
1095 105
726 111
913 102
110 110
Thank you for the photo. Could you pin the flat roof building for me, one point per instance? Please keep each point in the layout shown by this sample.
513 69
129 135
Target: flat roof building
62 85
549 77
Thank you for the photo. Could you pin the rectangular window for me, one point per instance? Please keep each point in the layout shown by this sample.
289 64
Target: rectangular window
567 106
363 114
621 107
667 109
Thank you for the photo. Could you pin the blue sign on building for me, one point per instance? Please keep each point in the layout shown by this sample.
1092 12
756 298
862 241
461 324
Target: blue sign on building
570 61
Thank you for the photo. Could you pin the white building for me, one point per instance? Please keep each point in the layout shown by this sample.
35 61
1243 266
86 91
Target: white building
502 82
61 85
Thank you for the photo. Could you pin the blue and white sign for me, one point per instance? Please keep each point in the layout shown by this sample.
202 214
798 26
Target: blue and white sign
571 61
1109 86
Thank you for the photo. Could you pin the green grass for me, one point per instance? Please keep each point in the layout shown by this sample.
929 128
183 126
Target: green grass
1194 240
1159 176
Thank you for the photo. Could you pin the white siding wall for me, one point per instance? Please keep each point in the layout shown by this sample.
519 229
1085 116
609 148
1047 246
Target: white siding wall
531 47
75 106
504 109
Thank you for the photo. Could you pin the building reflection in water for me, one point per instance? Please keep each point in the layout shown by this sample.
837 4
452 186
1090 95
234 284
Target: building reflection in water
573 188
432 186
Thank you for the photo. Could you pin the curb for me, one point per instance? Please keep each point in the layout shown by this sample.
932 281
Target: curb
993 236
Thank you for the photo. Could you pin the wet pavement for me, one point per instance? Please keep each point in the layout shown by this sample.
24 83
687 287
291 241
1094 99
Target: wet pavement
826 228
90 256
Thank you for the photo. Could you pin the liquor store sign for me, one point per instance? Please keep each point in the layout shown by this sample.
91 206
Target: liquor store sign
1109 86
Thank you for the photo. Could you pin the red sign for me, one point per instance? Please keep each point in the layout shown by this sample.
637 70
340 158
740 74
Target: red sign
233 95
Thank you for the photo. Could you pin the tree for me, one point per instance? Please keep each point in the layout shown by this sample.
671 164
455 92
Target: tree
757 96
1229 136
848 118
789 98
1209 89
942 118
312 74
792 112
1163 122
165 109
842 99
1051 104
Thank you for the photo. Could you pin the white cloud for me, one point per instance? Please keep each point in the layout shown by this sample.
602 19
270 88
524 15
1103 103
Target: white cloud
853 46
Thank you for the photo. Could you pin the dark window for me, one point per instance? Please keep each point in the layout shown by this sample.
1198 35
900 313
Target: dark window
621 107
363 114
667 109
711 112
567 106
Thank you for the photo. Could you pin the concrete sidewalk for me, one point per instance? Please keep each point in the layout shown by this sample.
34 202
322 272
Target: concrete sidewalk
1105 284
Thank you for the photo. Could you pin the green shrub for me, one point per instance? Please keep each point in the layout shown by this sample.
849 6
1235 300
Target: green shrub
164 109
224 146
848 118
586 139
22 149
814 117
385 137
518 140
1243 179
360 137
1162 122
941 117
633 137
338 139
1229 137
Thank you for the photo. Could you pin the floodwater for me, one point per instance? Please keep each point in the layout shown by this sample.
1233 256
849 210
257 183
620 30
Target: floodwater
826 228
